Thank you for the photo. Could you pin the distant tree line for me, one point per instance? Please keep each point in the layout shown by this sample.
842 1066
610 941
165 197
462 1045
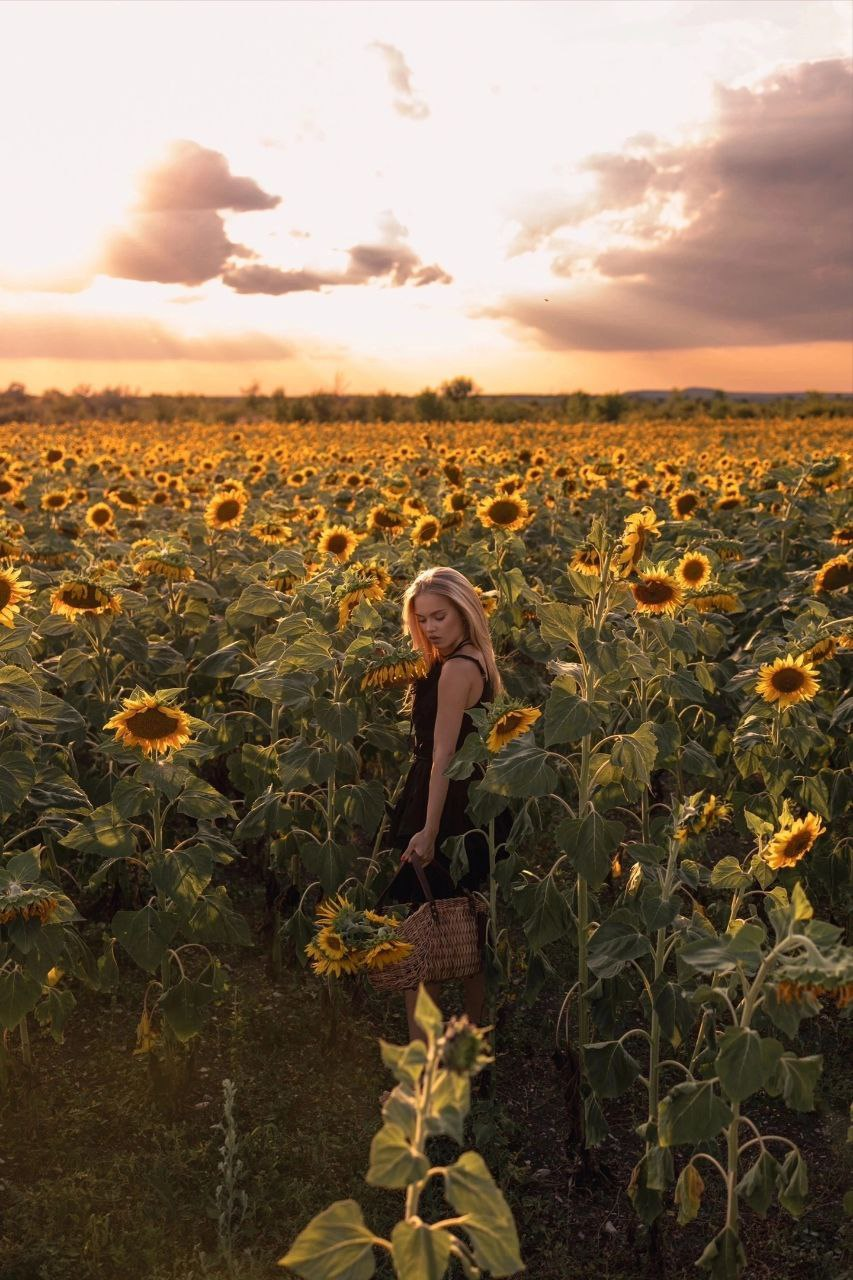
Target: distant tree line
458 399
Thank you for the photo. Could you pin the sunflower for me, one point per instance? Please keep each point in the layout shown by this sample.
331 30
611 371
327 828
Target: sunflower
389 951
488 599
843 537
384 519
503 511
55 500
395 668
640 527
586 560
166 564
13 593
509 724
100 516
27 902
510 484
715 599
365 582
83 595
693 570
428 529
11 533
683 505
786 681
826 470
728 549
728 502
225 510
657 593
821 651
147 722
457 500
126 498
834 575
793 841
10 487
338 541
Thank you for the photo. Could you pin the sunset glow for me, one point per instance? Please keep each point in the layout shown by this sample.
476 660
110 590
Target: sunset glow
538 195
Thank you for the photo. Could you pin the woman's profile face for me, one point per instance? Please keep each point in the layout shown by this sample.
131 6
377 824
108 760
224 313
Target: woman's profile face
440 620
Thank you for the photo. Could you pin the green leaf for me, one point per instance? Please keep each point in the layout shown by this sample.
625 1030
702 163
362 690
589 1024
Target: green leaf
724 953
545 911
19 994
145 935
590 843
184 875
610 1068
520 769
691 1113
184 1007
407 1061
635 754
326 861
53 1011
419 1251
724 1258
394 1161
131 797
103 832
568 718
739 1062
215 920
559 623
363 803
657 911
427 1013
17 774
728 875
24 866
336 718
200 800
471 1189
616 942
646 1199
793 1184
758 1184
449 1104
788 1014
688 1193
19 692
336 1245
797 1078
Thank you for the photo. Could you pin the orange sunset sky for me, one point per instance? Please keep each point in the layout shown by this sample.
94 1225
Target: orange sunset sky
541 196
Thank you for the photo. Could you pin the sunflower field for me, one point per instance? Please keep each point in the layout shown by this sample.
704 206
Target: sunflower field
202 676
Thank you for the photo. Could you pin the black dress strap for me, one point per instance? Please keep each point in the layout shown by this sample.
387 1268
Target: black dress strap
469 656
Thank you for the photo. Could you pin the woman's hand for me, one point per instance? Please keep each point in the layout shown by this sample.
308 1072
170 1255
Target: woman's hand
421 849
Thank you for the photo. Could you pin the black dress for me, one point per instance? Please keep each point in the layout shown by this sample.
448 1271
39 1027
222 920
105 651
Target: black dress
409 813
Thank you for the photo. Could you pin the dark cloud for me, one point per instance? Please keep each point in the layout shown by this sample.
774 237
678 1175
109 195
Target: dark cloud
390 259
64 337
406 103
766 256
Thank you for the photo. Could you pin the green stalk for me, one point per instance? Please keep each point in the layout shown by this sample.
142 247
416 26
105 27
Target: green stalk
731 1173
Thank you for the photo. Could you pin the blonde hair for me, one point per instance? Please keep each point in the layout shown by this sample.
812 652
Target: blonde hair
444 581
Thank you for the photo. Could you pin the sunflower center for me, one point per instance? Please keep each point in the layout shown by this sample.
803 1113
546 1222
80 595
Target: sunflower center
55 500
686 502
101 516
228 509
385 520
839 575
5 592
82 595
693 570
798 844
6 486
151 724
653 592
504 511
510 722
337 543
54 455
788 679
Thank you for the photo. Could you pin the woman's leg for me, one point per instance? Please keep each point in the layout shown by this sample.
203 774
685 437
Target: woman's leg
474 994
433 990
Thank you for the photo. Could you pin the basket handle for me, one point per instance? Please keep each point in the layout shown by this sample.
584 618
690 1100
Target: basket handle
419 872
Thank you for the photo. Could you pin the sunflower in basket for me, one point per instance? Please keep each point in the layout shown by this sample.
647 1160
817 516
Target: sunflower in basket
348 939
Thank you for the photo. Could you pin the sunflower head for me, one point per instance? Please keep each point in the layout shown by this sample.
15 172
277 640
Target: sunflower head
509 723
657 593
394 667
273 532
834 575
793 841
226 509
684 505
693 571
428 529
787 681
83 596
147 721
386 519
586 560
13 593
100 517
338 541
504 510
713 598
640 528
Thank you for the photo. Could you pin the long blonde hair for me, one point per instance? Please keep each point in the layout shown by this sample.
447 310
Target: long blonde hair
444 581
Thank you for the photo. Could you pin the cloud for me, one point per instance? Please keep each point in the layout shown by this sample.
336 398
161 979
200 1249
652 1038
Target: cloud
741 239
406 103
193 177
64 337
390 259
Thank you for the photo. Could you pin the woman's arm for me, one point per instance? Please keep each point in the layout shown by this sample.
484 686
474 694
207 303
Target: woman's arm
454 692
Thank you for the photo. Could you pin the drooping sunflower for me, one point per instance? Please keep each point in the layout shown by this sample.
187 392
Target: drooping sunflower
363 582
715 599
126 498
728 549
826 470
11 533
684 505
693 570
729 501
821 651
843 537
586 560
389 951
83 596
427 530
834 575
509 724
506 511
338 541
657 593
165 564
385 519
13 593
10 488
27 902
640 528
274 533
488 599
396 666
793 841
225 510
151 724
787 681
100 516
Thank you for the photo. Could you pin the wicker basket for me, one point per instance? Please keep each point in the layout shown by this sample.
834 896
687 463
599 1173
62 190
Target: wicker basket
448 936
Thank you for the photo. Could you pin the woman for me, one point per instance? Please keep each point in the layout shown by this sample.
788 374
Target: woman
444 618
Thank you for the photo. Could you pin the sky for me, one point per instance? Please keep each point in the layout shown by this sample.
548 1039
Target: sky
609 195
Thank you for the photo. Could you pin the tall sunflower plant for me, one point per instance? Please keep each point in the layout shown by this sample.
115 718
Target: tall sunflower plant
157 835
744 983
